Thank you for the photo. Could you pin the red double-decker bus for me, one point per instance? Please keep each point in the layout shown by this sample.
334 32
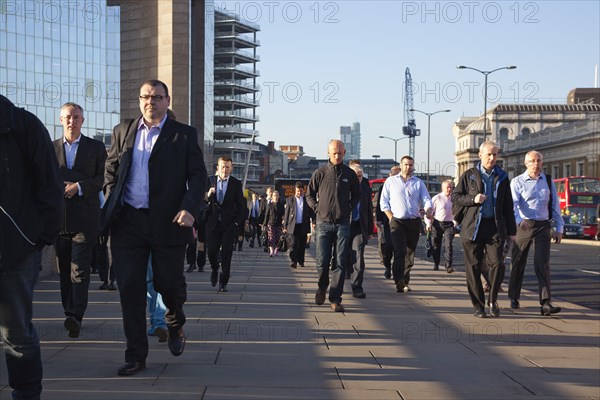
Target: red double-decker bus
578 198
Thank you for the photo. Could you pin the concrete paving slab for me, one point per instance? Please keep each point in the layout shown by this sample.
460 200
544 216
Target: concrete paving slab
266 339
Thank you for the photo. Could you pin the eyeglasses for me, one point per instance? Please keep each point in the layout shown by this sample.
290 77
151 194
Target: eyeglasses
533 162
156 97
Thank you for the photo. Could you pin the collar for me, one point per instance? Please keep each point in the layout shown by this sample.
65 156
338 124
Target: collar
526 177
75 141
159 126
483 171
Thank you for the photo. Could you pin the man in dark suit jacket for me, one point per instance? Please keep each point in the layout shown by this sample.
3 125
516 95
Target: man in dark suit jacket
155 181
296 223
361 228
383 229
81 161
224 221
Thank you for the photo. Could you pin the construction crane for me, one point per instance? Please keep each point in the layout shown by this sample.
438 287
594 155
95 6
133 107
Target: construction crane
410 126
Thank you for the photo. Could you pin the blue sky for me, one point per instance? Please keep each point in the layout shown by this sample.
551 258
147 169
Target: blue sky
330 63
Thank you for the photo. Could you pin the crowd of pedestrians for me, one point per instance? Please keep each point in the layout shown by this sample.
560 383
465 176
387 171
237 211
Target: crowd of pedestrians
136 213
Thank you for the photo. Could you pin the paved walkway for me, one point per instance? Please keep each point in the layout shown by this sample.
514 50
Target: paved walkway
266 339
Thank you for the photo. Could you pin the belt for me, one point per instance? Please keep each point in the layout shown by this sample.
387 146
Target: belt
142 210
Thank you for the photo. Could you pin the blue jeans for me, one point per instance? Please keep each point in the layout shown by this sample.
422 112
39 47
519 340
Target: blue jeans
156 307
19 338
328 234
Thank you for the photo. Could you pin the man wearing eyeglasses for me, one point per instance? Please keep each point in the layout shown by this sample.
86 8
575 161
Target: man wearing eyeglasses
155 182
535 204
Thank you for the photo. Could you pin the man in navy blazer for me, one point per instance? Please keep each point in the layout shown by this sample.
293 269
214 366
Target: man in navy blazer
225 219
361 229
81 162
155 182
296 223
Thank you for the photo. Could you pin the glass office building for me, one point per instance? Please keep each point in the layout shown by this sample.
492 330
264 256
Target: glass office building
55 52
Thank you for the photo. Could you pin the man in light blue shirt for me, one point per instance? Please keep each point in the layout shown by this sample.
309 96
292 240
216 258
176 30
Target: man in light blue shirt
536 203
401 200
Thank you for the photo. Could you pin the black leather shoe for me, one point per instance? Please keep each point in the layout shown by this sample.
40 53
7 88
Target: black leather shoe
548 309
514 304
222 289
191 268
131 368
479 313
294 265
320 297
387 274
494 310
214 275
436 267
176 341
400 287
111 286
73 326
104 286
359 295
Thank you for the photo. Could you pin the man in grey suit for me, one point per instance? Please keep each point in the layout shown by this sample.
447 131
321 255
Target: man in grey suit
296 223
81 162
155 181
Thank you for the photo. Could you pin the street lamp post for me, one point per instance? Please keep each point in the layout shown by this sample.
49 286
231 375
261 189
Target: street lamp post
395 146
428 134
485 85
376 156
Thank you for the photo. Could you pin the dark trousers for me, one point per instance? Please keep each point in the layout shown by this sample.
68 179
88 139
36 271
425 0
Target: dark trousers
539 235
104 259
297 244
357 257
221 238
405 237
485 252
442 231
255 229
20 341
131 245
74 259
191 252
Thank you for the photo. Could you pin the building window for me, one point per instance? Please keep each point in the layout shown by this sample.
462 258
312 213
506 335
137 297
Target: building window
555 172
503 135
567 170
580 168
525 131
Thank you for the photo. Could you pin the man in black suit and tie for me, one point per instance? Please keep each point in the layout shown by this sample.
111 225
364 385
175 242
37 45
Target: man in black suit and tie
224 221
155 181
361 228
81 162
253 219
296 223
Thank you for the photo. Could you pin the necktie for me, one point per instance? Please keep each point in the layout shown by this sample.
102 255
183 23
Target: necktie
221 194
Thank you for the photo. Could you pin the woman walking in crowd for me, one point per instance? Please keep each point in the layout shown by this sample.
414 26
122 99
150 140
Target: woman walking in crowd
274 222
